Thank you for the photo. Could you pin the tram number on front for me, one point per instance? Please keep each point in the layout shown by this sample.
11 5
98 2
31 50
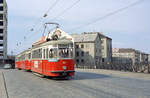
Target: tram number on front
36 64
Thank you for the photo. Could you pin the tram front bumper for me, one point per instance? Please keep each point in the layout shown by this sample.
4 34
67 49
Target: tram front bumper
63 71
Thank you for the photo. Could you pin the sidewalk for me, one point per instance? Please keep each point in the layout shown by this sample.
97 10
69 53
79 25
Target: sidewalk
3 93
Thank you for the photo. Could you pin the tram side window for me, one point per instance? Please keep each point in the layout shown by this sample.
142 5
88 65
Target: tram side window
47 53
44 53
22 57
29 55
52 53
26 56
37 53
16 59
40 53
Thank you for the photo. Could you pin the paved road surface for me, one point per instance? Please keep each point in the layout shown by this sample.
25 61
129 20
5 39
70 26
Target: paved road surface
22 84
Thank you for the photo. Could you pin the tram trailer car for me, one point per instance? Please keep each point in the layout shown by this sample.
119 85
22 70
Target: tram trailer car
23 60
53 58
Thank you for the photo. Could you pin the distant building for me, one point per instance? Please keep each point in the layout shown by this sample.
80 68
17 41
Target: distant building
148 58
126 55
121 57
3 30
88 48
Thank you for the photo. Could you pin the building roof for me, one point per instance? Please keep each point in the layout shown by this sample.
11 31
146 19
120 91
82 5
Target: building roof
88 36
99 33
84 37
124 50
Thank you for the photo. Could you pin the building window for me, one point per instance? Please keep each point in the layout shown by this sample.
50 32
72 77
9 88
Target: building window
1 37
1 16
1 8
77 46
1 1
82 53
82 46
1 30
103 60
102 41
77 61
1 44
1 23
82 61
87 53
102 47
77 54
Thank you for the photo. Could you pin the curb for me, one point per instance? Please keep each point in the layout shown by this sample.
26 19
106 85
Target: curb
3 90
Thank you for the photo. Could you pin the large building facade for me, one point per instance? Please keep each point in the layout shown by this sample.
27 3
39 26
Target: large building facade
89 51
3 30
106 48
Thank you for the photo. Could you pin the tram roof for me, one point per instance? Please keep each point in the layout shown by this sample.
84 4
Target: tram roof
23 52
53 43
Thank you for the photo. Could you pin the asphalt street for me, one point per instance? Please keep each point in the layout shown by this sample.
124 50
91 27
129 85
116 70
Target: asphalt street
22 84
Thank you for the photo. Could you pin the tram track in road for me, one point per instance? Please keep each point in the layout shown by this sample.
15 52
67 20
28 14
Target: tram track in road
104 87
82 89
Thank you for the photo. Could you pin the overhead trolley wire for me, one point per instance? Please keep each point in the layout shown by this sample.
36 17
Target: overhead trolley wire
110 14
45 14
40 20
65 10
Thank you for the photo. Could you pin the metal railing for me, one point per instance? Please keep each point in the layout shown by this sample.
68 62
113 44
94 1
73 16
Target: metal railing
142 67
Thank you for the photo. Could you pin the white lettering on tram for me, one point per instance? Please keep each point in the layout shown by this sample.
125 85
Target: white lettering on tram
36 64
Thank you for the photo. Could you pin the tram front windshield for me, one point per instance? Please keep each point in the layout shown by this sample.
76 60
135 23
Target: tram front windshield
65 52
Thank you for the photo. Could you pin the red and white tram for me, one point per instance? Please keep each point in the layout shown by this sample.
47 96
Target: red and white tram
23 60
52 58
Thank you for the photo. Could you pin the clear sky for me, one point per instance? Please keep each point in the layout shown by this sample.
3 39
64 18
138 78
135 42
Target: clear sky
129 28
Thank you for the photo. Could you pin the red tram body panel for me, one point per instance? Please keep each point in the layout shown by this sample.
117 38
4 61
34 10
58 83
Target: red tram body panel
27 65
17 64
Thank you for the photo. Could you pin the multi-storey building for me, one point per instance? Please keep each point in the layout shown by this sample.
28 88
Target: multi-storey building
126 55
88 48
106 48
3 30
149 58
